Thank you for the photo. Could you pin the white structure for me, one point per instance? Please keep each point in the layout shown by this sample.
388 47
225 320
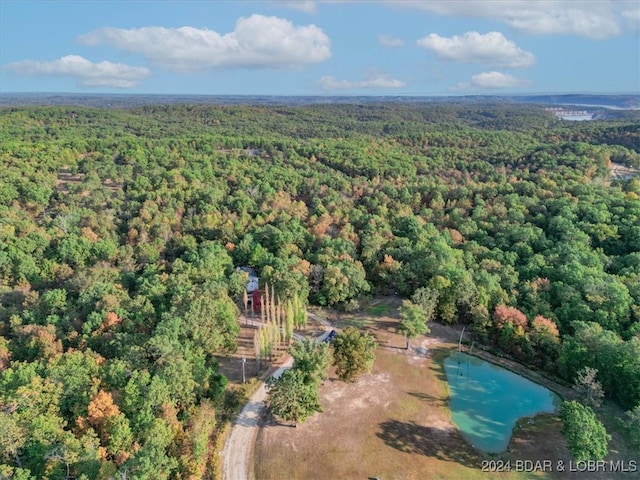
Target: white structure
253 282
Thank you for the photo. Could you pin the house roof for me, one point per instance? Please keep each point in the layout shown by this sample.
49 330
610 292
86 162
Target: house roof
249 270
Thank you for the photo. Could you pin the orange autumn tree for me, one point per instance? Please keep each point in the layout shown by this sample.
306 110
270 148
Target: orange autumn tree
504 315
112 426
511 329
101 408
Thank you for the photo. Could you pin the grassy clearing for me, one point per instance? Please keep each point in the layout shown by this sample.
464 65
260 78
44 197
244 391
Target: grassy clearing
394 423
620 448
377 309
354 321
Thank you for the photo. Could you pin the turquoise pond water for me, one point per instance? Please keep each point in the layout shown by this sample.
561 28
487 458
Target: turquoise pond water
486 401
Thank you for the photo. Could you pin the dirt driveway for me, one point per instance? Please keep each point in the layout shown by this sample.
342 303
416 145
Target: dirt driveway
394 423
388 424
237 454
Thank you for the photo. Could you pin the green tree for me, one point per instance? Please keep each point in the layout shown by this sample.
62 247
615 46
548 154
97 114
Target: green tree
353 353
343 277
119 435
587 437
78 373
15 473
13 436
209 318
201 428
413 321
632 425
427 298
617 361
312 358
292 398
152 461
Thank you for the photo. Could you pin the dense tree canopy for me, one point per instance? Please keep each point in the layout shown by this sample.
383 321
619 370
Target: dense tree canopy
120 231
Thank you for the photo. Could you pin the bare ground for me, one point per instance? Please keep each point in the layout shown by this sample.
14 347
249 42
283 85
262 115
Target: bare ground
394 423
231 365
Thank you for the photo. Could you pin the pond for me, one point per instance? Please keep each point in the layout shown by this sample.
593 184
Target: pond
486 401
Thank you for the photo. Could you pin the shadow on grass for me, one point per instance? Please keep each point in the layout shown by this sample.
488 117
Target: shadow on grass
431 399
439 355
389 326
447 445
269 420
392 347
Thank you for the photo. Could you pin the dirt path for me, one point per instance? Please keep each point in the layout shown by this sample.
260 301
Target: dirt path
239 445
237 454
620 171
394 423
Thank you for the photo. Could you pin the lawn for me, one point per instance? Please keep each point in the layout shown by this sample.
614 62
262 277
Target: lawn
394 423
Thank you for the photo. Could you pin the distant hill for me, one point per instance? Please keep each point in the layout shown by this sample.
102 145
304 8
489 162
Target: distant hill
616 102
624 102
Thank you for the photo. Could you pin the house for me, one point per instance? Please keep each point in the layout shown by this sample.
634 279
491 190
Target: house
253 281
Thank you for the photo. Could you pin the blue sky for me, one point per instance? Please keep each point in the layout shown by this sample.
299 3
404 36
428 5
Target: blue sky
320 47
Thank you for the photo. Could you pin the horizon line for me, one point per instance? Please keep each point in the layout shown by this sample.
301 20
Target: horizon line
514 94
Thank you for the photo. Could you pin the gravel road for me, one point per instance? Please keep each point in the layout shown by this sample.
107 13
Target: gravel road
238 449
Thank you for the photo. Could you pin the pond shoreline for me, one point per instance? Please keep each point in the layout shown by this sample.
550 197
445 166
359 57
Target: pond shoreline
482 351
565 392
487 400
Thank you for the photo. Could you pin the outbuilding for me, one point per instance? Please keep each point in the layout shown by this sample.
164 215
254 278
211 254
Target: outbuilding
253 281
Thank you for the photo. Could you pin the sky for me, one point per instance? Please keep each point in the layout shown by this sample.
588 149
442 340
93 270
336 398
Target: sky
320 47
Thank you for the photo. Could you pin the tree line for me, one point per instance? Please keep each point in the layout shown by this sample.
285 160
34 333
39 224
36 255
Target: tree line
120 231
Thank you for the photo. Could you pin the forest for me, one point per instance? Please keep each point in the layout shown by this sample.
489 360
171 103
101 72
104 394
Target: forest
121 231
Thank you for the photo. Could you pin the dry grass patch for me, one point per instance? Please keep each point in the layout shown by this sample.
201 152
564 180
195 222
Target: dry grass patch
393 424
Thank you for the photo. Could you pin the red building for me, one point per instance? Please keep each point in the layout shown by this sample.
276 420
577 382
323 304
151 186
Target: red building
256 300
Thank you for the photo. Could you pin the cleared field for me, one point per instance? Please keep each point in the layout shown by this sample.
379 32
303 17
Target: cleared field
621 172
394 423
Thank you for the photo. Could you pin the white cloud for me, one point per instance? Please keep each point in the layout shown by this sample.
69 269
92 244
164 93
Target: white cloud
379 81
84 72
491 49
257 41
597 19
389 41
587 18
331 83
494 80
307 6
